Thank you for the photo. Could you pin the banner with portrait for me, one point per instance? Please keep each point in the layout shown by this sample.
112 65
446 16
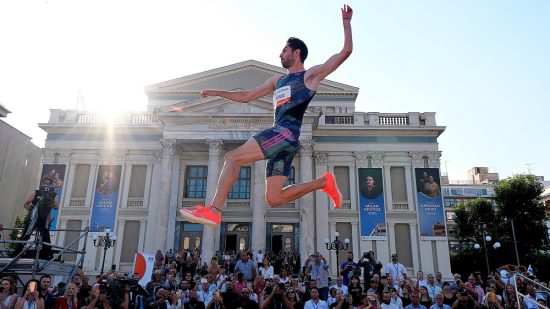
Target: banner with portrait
371 204
105 198
56 172
431 215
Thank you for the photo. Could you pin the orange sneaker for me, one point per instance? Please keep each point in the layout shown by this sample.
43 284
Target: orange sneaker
331 188
202 214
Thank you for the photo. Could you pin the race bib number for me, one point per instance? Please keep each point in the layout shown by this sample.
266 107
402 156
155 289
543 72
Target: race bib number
281 96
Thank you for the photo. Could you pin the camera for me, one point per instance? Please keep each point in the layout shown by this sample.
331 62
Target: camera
113 289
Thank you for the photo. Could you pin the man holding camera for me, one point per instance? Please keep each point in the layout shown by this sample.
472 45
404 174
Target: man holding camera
276 298
370 266
349 268
319 273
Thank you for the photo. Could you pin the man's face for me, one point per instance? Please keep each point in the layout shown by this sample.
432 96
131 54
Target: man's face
472 280
370 181
339 281
415 299
439 299
339 295
76 280
389 280
245 292
45 283
431 279
244 257
394 258
420 275
438 276
350 256
287 57
314 294
386 298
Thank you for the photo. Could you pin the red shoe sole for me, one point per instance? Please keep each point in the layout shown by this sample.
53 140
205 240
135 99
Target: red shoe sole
188 214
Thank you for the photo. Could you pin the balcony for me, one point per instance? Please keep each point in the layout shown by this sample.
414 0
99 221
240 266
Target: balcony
134 202
77 202
400 206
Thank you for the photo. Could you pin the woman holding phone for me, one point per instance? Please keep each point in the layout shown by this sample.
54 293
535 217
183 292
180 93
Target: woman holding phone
31 299
8 297
68 300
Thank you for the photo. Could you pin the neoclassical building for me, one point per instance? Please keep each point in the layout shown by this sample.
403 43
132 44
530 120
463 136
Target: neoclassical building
170 157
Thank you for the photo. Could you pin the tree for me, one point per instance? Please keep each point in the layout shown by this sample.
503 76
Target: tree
472 215
518 199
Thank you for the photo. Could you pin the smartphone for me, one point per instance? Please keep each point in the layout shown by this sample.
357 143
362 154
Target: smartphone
32 286
113 267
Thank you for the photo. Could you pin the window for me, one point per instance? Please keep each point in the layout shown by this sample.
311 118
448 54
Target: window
341 173
398 184
237 227
131 241
283 228
291 178
195 181
450 202
450 216
137 181
241 188
80 184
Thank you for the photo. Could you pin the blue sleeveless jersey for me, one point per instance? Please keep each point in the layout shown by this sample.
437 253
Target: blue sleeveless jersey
290 99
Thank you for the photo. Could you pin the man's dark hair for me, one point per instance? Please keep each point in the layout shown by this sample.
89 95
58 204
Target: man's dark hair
45 276
294 44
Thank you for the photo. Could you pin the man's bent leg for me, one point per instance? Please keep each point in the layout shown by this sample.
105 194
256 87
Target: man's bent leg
210 214
276 195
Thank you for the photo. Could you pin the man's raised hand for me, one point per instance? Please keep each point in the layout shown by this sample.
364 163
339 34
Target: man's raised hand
207 93
347 12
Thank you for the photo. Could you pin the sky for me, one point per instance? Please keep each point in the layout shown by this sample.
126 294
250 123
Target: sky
482 66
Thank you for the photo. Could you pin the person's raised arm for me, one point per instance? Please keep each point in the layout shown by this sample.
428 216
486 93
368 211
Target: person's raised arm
244 96
28 202
317 73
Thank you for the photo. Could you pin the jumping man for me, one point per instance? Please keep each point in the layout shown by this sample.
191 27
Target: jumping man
279 144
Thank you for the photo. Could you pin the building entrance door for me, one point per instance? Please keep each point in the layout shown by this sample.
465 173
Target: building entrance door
192 240
236 242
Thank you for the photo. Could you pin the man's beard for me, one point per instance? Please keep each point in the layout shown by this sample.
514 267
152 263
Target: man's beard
287 63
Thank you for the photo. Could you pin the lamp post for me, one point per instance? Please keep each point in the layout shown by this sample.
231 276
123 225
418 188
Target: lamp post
514 239
337 245
486 238
106 242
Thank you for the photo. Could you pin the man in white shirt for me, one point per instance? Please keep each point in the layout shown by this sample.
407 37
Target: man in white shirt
315 302
420 280
439 302
433 289
386 302
395 269
340 285
259 257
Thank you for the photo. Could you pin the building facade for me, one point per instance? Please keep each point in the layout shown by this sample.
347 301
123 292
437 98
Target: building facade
171 156
19 170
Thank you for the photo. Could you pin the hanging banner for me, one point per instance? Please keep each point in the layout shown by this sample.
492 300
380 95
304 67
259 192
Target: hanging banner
143 267
431 215
57 173
105 198
371 204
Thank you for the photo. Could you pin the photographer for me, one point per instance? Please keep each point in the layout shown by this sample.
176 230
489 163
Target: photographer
31 299
229 294
370 266
216 302
97 299
349 268
277 299
193 302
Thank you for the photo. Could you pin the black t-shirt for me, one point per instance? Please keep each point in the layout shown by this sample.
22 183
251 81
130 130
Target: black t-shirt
345 305
468 305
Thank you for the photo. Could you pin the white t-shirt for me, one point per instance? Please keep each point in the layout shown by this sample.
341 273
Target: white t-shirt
259 257
267 273
396 271
343 288
389 306
320 305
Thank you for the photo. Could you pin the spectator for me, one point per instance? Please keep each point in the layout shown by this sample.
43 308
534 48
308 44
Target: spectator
386 302
240 283
420 280
530 300
370 266
245 301
153 285
465 301
355 290
45 292
8 297
342 301
246 266
432 288
266 270
349 269
340 285
69 299
492 302
331 296
293 299
315 302
369 301
415 302
439 279
396 269
476 287
425 297
193 302
395 299
439 302
216 302
259 258
31 299
229 294
510 300
259 285
318 266
449 297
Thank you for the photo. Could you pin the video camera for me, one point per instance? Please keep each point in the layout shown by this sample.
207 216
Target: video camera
114 288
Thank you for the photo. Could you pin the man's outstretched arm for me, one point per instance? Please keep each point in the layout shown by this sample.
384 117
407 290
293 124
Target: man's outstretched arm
319 72
244 96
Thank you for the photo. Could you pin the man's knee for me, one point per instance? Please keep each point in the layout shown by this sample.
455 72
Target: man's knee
231 157
274 200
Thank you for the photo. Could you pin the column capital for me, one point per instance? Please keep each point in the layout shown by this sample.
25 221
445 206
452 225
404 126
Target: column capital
306 148
418 156
321 156
215 146
168 146
376 157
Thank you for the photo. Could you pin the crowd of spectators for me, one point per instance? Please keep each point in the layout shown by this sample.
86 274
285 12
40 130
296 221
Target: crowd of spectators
268 281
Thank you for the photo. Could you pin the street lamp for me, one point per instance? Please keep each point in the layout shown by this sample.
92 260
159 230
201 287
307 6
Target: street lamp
337 245
106 242
486 239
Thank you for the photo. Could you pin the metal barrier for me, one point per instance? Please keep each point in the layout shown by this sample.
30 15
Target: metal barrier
18 266
539 290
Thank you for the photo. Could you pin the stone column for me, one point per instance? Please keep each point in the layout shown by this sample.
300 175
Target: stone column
210 234
307 210
161 228
322 206
173 203
259 207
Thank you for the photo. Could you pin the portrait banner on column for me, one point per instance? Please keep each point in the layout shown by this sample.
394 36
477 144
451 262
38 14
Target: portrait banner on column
372 211
431 215
105 198
57 174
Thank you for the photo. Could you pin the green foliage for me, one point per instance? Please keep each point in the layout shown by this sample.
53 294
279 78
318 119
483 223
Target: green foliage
518 198
469 217
19 223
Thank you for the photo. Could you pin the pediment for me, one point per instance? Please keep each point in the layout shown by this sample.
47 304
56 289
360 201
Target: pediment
244 75
217 106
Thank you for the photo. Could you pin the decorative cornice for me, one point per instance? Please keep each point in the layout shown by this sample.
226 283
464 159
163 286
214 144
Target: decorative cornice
363 157
321 156
215 146
417 156
64 155
351 130
113 155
